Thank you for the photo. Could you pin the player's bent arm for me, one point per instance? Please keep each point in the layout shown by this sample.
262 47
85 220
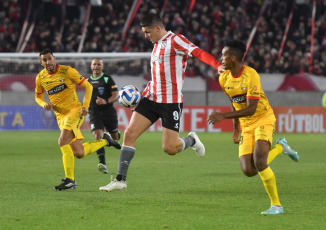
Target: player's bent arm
39 98
235 121
236 128
216 117
248 111
114 97
205 57
88 93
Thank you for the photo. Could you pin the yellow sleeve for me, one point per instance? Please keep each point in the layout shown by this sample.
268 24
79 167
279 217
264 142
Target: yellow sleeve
76 77
39 93
254 86
88 93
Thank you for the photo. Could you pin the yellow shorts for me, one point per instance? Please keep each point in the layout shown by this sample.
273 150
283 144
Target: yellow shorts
72 121
264 131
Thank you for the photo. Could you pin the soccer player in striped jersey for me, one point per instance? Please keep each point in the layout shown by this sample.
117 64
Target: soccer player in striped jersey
162 98
59 83
252 111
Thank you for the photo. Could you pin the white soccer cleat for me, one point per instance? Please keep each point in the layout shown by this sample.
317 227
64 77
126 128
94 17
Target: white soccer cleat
198 146
114 185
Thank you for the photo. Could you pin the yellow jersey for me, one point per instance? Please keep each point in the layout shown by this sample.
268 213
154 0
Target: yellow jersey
246 85
60 87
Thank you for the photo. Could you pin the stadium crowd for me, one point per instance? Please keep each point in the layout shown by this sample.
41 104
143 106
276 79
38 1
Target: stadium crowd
209 25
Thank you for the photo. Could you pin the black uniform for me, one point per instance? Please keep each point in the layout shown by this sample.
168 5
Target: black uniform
103 116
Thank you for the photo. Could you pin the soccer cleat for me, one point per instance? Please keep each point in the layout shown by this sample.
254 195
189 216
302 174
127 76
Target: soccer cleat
114 185
274 209
103 168
287 149
198 146
67 184
110 141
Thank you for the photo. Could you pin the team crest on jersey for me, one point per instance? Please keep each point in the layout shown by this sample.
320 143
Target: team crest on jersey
101 90
61 79
163 45
243 87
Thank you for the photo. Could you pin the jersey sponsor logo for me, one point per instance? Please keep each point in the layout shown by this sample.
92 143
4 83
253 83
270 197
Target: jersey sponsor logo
157 58
57 89
101 90
239 98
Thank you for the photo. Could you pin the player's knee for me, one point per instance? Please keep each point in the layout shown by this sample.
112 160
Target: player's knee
171 150
249 172
97 137
129 135
261 165
79 155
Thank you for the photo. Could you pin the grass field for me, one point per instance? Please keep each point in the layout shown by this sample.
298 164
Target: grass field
164 192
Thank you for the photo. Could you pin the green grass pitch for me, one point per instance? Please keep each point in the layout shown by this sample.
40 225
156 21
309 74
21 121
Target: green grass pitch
164 192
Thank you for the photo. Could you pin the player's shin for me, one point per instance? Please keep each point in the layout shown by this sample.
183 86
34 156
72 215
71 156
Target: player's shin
268 178
68 161
126 155
277 150
92 146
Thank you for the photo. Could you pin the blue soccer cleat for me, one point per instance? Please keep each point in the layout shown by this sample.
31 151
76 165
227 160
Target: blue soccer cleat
274 209
287 149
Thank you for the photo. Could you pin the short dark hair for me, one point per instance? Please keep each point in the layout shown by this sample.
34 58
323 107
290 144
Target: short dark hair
46 51
237 48
151 20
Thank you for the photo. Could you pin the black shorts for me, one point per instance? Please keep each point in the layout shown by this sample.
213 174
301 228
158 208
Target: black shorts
100 119
169 113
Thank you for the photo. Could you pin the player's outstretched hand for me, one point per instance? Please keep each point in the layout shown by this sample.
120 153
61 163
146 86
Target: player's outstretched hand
215 117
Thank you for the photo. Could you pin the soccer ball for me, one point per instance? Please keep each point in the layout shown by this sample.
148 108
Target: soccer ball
129 96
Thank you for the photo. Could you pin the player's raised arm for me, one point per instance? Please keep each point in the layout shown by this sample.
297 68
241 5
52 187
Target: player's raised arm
208 59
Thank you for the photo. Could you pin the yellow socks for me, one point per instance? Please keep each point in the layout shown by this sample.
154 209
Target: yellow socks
68 161
92 146
277 150
268 178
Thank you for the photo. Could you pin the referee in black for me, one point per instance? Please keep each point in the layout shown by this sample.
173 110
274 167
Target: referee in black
102 114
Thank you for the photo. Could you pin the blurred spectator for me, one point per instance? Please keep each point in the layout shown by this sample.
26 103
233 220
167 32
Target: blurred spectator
209 25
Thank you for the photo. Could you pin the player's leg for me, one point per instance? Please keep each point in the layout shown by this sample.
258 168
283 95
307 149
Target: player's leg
98 134
97 129
138 124
264 137
171 142
68 182
246 149
79 149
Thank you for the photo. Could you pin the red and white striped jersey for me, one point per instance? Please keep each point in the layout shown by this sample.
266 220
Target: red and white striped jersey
168 65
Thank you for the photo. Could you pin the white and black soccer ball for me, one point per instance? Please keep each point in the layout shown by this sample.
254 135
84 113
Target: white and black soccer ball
129 96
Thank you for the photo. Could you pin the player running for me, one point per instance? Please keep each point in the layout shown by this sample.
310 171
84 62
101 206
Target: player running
251 108
59 83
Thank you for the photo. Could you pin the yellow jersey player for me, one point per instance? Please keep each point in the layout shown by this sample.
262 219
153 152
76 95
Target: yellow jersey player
251 109
59 83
